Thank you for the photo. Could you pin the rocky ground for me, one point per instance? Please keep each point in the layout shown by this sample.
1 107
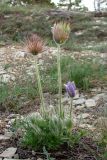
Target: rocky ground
87 107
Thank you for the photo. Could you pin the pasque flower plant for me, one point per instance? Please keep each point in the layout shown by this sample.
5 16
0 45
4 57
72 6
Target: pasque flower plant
60 31
35 45
49 130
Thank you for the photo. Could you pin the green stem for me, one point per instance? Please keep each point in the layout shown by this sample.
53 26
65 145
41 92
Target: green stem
59 80
42 107
71 101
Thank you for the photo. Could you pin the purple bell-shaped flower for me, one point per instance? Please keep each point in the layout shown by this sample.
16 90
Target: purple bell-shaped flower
70 88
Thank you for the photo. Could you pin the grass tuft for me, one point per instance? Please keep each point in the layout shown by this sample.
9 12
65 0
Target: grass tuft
83 72
51 132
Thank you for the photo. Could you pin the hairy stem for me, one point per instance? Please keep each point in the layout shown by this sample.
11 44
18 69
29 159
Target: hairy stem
59 80
42 107
71 104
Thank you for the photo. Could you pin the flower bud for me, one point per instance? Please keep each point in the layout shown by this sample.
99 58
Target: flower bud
70 89
61 32
35 44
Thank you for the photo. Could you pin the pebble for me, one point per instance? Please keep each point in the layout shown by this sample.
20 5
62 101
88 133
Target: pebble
98 90
80 107
93 89
16 156
105 98
5 78
80 101
8 126
87 126
8 134
65 100
41 62
4 137
33 153
98 96
2 124
11 121
2 72
9 152
20 54
13 116
83 116
104 110
102 123
77 95
6 120
90 103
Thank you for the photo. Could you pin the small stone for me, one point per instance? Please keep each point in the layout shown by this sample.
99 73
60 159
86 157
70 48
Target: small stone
34 114
101 123
4 137
9 152
6 120
2 72
105 98
11 121
41 62
96 98
51 108
5 78
79 101
33 153
79 107
99 96
65 100
83 116
77 95
99 90
105 110
7 16
90 103
8 134
2 124
94 90
20 54
16 156
7 126
30 73
75 122
12 116
87 126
